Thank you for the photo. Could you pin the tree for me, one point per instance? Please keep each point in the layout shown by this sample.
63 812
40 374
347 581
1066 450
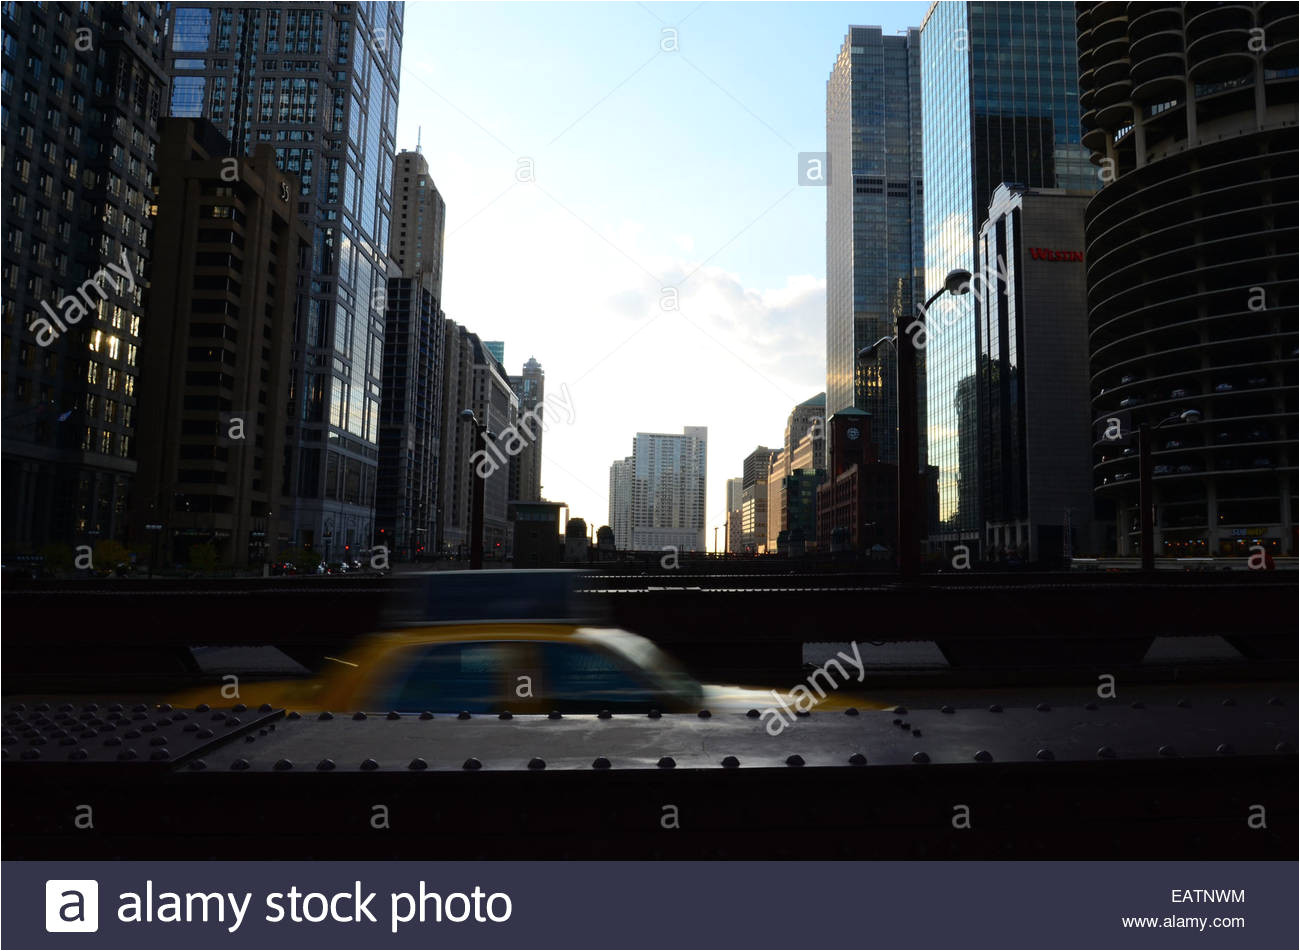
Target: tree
108 554
58 558
204 557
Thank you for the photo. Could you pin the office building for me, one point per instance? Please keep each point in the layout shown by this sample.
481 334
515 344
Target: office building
874 213
526 464
318 82
1032 377
799 515
735 496
456 441
668 473
777 469
805 438
753 500
1000 84
497 407
80 153
229 249
498 350
1190 114
411 409
620 501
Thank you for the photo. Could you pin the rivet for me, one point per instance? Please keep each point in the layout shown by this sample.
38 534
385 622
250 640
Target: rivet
417 763
1275 702
898 721
201 708
1137 705
983 756
666 762
358 715
1224 749
237 708
555 715
1045 755
1283 747
31 754
326 716
265 708
78 754
198 765
132 734
118 708
900 710
946 709
905 725
916 732
65 707
113 741
654 714
604 715
1043 708
232 721
803 713
160 754
505 715
537 763
283 764
851 712
204 734
752 714
392 715
426 715
240 763
293 715
600 762
730 762
857 759
1168 751
919 757
1229 702
995 708
1105 752
128 754
138 708
1182 702
463 715
704 714
325 765
471 763
1090 705
794 760
369 764
158 741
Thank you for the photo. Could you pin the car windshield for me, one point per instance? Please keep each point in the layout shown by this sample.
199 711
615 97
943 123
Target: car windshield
645 655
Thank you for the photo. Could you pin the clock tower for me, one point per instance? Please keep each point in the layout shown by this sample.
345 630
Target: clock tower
851 440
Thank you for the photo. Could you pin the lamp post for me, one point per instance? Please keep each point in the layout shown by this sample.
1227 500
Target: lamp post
1146 489
909 496
482 436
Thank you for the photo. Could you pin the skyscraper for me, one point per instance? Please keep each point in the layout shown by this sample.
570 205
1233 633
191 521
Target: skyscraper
83 92
874 204
667 488
620 501
1000 84
215 368
411 407
526 465
318 82
735 499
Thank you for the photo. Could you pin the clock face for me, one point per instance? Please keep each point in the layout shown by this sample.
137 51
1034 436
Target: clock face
284 191
852 432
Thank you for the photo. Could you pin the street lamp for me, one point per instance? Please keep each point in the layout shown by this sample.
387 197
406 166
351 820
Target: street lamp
909 497
1146 491
480 484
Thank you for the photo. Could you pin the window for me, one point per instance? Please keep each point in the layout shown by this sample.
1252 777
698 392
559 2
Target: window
448 678
582 678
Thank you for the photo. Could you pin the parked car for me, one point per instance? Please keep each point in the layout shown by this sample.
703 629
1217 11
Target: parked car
1129 401
1223 388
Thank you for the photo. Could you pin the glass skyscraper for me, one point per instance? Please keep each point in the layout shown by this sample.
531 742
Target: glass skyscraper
874 237
318 82
1000 87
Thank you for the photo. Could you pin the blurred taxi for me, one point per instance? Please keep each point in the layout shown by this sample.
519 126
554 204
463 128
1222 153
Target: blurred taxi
519 667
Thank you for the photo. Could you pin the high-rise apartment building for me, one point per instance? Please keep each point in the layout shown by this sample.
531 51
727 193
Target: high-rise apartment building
83 92
317 82
1000 83
1190 109
411 408
214 376
526 464
497 407
735 500
874 206
667 491
620 501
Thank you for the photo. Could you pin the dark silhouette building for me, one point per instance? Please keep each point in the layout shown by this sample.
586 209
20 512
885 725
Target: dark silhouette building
856 505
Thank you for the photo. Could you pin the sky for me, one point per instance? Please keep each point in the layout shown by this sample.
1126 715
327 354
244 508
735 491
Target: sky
623 205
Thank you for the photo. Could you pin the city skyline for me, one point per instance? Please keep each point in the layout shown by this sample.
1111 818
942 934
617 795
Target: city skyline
744 98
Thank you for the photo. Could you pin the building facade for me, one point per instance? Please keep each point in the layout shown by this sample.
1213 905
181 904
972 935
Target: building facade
1190 113
735 496
854 511
1032 377
753 500
83 92
668 490
526 464
620 502
229 250
318 82
874 216
411 401
1000 83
